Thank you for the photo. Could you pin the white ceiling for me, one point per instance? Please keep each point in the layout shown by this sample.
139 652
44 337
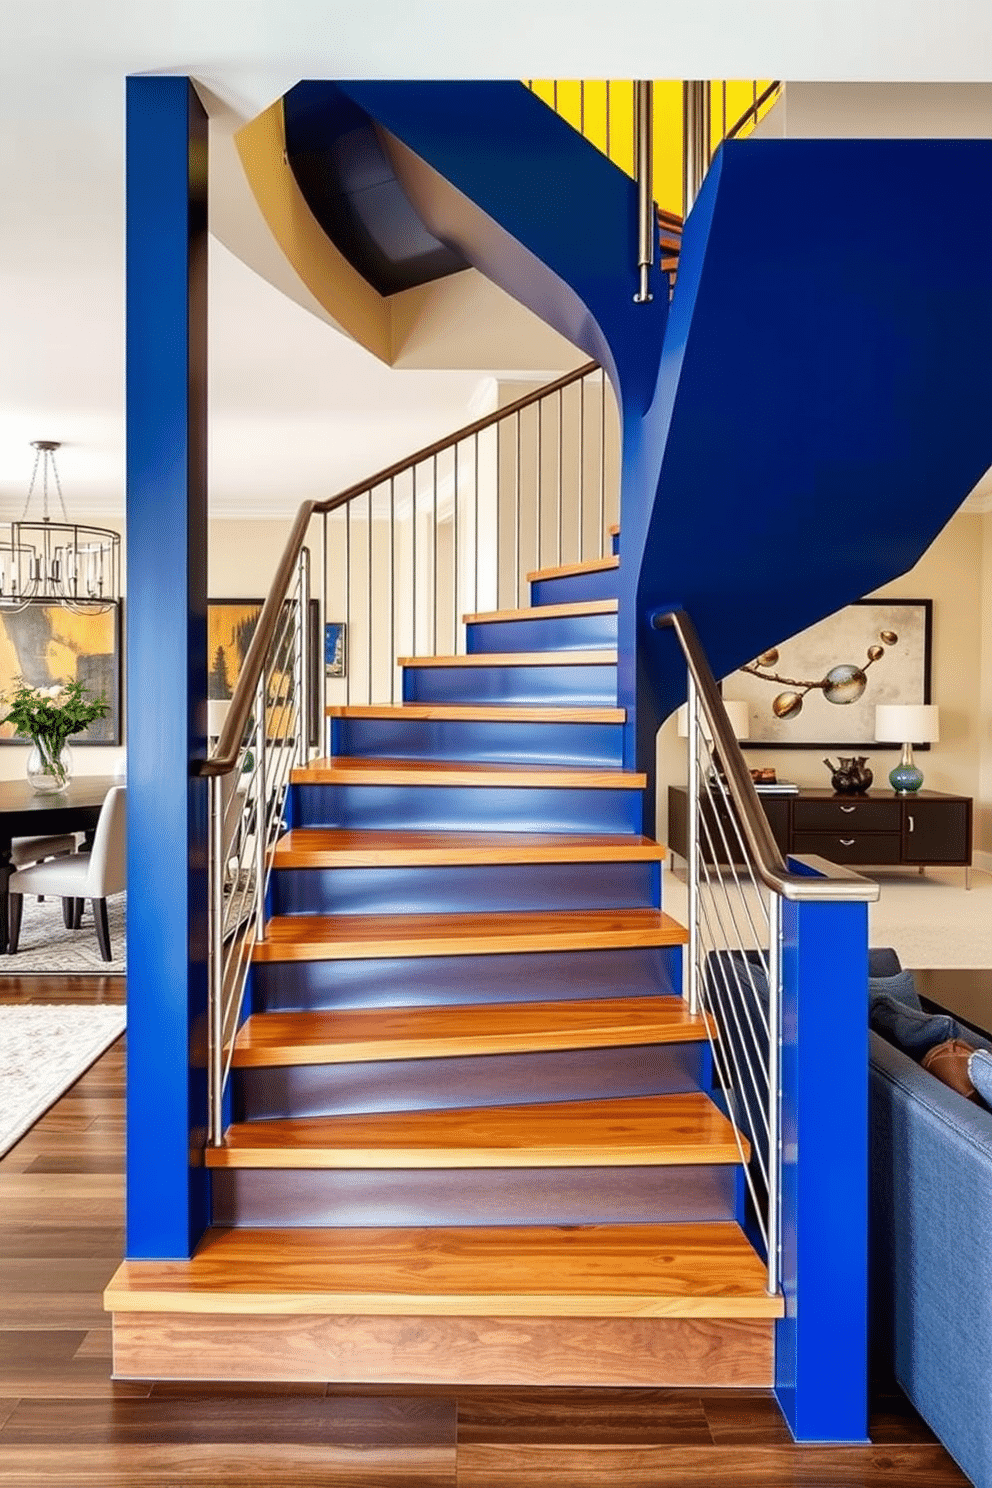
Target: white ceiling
290 396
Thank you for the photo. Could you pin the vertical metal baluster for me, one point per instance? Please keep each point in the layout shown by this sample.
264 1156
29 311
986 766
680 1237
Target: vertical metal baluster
774 1115
608 155
539 482
602 463
303 658
516 524
499 507
454 561
413 560
216 1022
692 846
475 582
554 94
392 589
324 720
723 130
582 470
434 557
561 451
349 632
368 593
261 823
582 107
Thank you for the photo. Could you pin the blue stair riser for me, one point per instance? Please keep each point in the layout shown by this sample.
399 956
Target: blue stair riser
263 1094
466 889
342 1198
603 583
468 808
449 981
560 744
583 686
556 633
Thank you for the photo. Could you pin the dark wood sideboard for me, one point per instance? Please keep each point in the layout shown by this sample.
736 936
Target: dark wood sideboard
881 829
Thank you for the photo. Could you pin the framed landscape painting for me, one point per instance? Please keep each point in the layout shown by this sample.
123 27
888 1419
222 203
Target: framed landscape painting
820 688
230 626
49 644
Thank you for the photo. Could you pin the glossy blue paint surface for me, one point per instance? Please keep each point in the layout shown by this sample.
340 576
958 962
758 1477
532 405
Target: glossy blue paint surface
167 1199
556 633
492 740
821 1344
464 889
602 583
468 808
582 686
441 981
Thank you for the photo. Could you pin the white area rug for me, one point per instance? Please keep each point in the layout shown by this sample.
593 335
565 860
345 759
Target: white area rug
931 922
47 946
44 1050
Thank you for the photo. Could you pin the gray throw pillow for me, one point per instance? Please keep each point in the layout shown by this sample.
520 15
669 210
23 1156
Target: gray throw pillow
912 1031
901 986
980 1074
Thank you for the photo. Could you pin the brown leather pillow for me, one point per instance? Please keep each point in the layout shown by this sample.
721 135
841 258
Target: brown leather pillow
949 1062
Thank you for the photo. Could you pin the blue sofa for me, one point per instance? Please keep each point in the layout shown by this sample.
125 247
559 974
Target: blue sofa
931 1250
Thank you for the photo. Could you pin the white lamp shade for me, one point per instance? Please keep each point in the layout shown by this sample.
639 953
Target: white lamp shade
907 723
737 712
217 711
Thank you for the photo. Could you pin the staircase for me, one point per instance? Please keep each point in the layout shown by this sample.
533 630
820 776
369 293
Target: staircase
472 1139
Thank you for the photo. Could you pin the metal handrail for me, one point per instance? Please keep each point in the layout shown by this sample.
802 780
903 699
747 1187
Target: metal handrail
835 882
227 753
753 109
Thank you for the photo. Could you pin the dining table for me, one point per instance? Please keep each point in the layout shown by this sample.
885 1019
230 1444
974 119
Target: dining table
25 812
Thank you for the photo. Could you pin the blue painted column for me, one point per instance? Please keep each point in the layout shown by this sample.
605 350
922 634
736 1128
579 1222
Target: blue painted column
821 1348
167 1190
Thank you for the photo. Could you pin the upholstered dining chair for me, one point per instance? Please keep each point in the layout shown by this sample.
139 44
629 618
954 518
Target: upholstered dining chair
91 875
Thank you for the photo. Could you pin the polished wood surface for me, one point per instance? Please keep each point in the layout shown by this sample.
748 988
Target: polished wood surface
471 713
515 659
548 612
564 570
457 1352
674 1270
340 847
346 937
345 770
480 1028
967 994
65 1421
646 1130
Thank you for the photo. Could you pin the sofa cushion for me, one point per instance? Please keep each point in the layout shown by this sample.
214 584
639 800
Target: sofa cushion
980 1073
901 985
910 1029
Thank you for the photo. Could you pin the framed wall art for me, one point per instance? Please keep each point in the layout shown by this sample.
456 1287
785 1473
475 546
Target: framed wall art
46 644
819 689
230 627
335 648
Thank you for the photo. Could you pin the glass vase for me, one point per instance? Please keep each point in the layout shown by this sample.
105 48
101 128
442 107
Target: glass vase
49 769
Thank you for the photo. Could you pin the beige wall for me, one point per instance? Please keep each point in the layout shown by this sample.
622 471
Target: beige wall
956 573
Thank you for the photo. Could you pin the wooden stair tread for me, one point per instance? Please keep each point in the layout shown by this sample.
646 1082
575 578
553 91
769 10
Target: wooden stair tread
346 770
660 1130
676 1270
566 570
352 937
605 657
333 1037
549 612
474 713
345 847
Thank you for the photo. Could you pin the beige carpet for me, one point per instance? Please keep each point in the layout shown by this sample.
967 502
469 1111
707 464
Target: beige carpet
931 921
44 1050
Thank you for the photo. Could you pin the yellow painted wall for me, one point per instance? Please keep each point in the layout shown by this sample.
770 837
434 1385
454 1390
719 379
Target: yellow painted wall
603 111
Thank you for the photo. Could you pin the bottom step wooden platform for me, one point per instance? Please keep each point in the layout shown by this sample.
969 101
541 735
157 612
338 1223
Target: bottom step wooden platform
596 1305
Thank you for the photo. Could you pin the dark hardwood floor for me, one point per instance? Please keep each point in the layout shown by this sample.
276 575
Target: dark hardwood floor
64 1422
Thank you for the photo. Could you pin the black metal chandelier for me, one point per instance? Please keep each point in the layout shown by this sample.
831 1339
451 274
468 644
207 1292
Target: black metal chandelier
61 562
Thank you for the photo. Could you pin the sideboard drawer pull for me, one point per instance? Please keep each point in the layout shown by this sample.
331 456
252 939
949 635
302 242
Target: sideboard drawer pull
849 808
912 825
847 842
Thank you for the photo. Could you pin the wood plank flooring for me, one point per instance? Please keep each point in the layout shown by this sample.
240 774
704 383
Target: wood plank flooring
64 1422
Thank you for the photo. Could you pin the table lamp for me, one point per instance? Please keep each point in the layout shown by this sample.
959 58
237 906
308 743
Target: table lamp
737 712
907 724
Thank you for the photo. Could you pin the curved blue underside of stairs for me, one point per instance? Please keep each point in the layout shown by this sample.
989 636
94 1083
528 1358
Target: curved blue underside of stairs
814 407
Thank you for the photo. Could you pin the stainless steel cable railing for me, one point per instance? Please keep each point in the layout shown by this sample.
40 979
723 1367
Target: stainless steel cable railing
456 526
736 884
